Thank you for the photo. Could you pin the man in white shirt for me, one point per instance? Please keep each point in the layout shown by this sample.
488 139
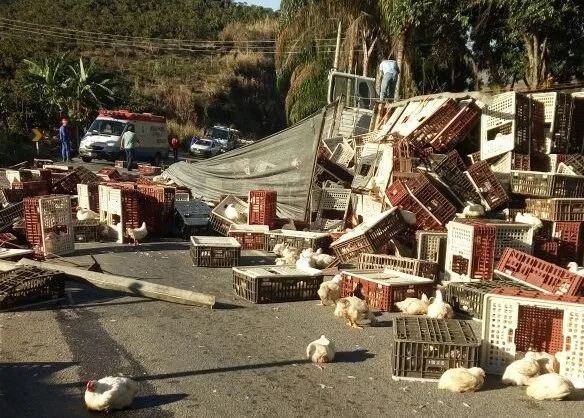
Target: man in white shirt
389 71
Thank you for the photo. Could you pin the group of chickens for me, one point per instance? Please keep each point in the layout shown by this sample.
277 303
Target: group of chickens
136 234
537 370
304 260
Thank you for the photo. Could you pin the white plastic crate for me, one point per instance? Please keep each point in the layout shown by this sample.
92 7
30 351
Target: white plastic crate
431 246
499 122
513 235
504 163
111 212
376 161
56 225
343 155
219 222
565 169
501 320
425 109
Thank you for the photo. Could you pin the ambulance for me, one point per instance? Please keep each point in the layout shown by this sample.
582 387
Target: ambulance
102 140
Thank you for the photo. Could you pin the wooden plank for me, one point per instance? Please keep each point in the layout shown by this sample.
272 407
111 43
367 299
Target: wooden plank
123 284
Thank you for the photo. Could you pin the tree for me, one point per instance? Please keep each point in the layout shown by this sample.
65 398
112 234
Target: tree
88 89
48 84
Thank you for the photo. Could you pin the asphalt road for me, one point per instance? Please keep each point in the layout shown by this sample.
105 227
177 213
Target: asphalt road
240 359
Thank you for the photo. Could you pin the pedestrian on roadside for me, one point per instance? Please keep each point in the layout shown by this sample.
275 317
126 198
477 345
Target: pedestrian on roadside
65 140
174 142
389 70
128 144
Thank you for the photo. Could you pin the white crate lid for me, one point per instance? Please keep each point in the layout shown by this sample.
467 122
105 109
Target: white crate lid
388 277
214 242
279 271
248 228
298 234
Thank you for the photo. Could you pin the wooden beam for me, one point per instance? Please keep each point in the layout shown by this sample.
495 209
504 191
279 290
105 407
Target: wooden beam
124 284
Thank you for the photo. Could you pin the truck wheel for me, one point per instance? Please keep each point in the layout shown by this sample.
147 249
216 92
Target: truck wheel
86 159
157 159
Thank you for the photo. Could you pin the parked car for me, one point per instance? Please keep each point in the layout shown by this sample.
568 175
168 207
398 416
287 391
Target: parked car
205 148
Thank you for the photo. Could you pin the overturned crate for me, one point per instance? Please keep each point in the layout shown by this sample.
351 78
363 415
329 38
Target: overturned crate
557 209
251 237
517 321
220 223
30 285
424 348
300 240
191 216
413 266
370 236
89 230
539 274
276 284
547 185
332 208
262 207
383 288
215 251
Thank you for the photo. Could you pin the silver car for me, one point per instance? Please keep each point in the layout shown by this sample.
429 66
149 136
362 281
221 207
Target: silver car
205 148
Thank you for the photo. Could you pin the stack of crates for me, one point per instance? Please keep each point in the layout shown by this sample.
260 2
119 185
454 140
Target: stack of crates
516 321
120 208
49 226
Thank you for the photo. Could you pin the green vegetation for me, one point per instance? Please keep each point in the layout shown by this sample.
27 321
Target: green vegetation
194 61
440 45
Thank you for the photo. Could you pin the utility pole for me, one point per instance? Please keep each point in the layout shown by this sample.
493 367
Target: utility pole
338 48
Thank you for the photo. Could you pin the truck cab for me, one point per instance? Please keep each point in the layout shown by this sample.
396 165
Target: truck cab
224 136
102 139
357 91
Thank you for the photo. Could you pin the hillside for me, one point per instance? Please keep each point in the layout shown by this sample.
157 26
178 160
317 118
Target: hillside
194 61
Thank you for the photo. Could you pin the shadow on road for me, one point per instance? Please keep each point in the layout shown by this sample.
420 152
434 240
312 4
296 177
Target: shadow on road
127 248
144 402
356 356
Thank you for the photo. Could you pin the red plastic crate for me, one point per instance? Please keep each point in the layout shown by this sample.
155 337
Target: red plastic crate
546 249
457 129
539 274
249 240
109 172
145 180
477 261
158 206
534 294
380 295
486 183
569 234
32 188
419 196
434 124
262 207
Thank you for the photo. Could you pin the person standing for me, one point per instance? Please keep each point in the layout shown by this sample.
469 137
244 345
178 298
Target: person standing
128 144
65 140
389 70
174 143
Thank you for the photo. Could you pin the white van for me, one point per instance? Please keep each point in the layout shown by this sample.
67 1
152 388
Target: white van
102 140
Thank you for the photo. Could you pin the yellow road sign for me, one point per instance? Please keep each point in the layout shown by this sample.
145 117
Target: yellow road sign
38 134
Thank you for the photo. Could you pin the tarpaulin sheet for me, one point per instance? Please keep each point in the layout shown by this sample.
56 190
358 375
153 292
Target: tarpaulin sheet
283 162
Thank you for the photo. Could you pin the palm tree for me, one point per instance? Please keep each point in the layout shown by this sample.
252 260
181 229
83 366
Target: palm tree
89 88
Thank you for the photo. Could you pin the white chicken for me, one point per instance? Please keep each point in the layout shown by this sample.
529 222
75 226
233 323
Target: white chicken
439 309
137 234
574 268
528 218
321 260
233 214
353 310
278 248
549 387
86 214
548 363
520 372
472 210
330 291
414 306
461 379
306 260
321 351
110 393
